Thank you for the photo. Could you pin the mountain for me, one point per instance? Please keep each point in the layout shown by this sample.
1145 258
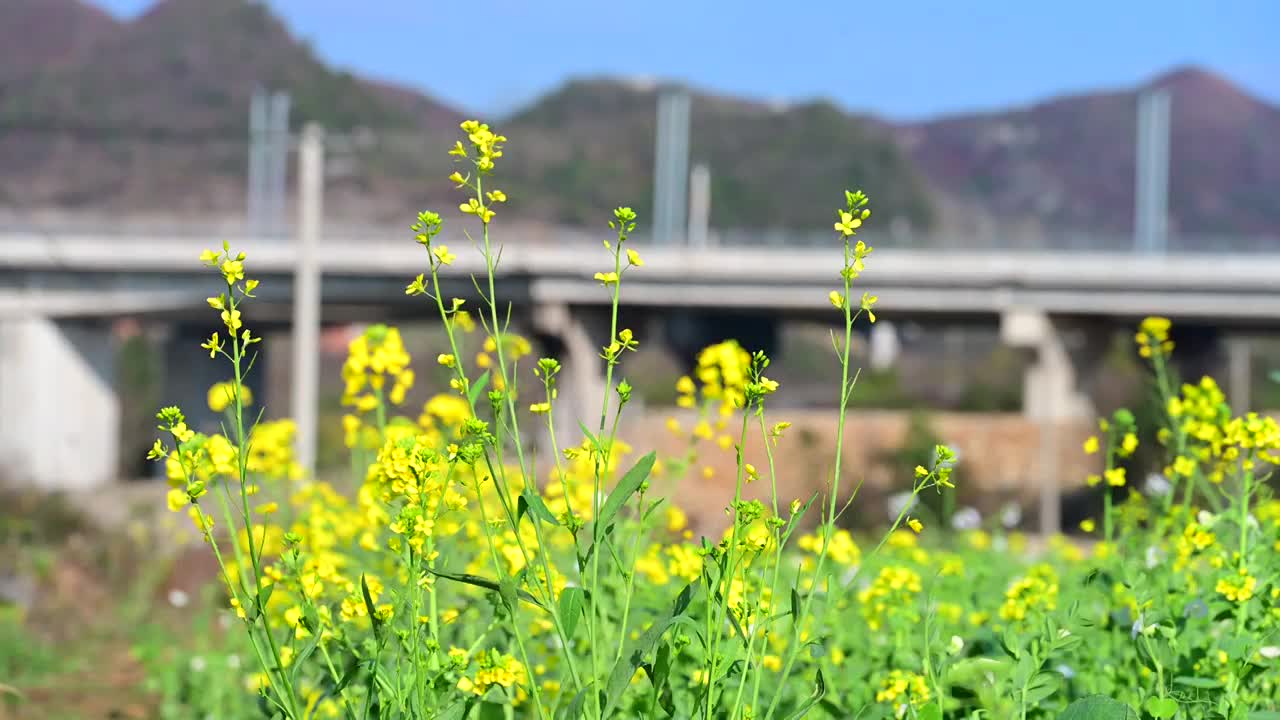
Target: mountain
589 145
152 116
149 117
37 34
154 111
1068 163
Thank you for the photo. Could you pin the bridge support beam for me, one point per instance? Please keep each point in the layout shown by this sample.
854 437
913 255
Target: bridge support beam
59 412
574 336
1051 394
1239 374
884 345
189 372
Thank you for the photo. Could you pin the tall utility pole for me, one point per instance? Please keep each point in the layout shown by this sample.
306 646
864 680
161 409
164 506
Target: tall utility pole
268 163
306 295
278 170
671 165
1151 188
259 117
699 206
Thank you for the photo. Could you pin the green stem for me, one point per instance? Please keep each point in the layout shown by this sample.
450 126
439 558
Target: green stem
726 579
515 626
830 511
778 542
602 458
242 452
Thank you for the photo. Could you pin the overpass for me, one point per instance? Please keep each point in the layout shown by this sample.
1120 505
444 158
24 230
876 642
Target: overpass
84 275
59 411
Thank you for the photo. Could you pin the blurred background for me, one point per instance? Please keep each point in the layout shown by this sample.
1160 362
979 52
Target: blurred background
1042 177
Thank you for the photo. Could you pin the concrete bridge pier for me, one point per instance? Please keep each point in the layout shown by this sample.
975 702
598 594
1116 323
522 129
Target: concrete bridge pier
575 336
59 412
189 372
688 332
1053 391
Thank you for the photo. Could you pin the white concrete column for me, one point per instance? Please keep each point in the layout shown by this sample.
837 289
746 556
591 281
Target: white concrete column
306 296
580 385
885 345
59 413
1052 387
1051 396
699 206
1239 374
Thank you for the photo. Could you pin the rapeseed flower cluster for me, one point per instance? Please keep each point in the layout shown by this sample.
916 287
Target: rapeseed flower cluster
375 357
467 570
903 690
1031 595
891 595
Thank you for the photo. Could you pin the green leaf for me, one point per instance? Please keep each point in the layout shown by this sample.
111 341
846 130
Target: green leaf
531 501
507 591
477 388
659 676
1042 686
795 604
369 606
487 584
570 609
1264 715
595 441
573 711
1098 707
457 711
820 689
638 649
682 601
350 673
1162 708
264 594
301 658
626 487
491 711
648 513
932 711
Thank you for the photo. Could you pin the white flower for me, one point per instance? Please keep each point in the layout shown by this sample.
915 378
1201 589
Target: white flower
956 645
197 663
1011 516
178 598
1270 652
1065 671
233 662
1155 556
1157 485
966 518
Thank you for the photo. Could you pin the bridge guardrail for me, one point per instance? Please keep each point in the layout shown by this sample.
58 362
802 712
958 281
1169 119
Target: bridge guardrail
1065 241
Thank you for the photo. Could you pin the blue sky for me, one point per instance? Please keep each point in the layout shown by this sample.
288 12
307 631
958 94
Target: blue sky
900 59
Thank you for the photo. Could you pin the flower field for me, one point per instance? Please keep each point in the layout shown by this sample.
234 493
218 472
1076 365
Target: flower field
468 576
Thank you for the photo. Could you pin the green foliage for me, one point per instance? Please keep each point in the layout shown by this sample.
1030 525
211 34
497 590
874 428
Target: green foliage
463 577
